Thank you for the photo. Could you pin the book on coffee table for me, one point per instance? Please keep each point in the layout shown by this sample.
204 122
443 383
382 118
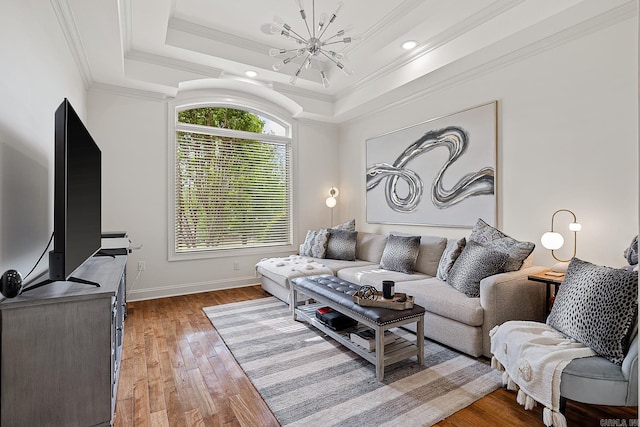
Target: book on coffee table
366 338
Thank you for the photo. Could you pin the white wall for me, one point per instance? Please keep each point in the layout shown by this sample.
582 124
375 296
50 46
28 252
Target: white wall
37 71
567 138
132 133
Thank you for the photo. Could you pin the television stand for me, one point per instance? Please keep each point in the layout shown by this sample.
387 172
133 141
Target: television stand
70 279
61 348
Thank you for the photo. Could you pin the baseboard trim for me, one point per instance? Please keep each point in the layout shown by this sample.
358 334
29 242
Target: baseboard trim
190 288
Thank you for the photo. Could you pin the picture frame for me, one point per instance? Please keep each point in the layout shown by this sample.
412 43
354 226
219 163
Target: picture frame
440 172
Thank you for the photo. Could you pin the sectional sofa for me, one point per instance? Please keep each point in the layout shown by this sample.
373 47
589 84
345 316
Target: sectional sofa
452 316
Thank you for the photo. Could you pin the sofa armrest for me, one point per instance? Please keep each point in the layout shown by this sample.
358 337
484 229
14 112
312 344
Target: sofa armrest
511 296
630 371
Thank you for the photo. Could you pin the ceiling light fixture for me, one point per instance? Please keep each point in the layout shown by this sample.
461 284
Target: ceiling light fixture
251 73
313 47
410 44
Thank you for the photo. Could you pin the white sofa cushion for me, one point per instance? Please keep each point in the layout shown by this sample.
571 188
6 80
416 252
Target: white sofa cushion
369 246
337 264
373 275
431 249
438 297
282 270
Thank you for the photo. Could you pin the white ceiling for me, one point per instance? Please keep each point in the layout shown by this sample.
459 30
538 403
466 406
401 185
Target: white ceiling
160 46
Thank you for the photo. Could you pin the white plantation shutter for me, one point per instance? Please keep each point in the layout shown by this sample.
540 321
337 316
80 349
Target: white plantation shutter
232 189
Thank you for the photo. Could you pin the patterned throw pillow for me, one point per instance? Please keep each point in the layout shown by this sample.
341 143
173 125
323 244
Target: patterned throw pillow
597 306
449 256
474 264
315 244
342 245
400 253
349 225
489 236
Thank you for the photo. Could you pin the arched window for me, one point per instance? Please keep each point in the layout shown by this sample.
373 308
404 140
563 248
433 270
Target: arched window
232 180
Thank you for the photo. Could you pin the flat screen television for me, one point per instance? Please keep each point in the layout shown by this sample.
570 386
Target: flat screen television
77 208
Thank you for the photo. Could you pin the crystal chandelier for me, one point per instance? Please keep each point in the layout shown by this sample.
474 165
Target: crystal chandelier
313 47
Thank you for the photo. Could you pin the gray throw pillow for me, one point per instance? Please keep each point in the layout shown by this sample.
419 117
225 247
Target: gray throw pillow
348 225
315 244
449 256
400 253
631 253
342 245
490 236
474 264
597 306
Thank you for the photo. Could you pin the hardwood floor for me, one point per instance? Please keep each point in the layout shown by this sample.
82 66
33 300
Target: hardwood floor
177 371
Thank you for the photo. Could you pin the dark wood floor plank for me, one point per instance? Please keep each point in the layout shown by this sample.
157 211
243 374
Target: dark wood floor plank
177 371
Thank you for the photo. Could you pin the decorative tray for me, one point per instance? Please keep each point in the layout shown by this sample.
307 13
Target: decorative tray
379 301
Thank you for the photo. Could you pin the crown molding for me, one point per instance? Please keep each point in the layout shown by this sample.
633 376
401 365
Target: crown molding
481 17
216 35
470 70
318 123
405 8
176 64
126 31
130 92
287 89
67 21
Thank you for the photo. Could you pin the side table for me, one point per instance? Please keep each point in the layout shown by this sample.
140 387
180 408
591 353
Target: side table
549 277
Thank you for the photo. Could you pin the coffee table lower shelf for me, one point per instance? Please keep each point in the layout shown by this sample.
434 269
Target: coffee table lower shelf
395 351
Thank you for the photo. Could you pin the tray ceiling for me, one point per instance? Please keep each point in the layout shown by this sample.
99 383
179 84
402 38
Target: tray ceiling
160 46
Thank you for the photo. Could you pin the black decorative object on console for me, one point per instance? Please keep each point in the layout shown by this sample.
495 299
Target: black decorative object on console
11 284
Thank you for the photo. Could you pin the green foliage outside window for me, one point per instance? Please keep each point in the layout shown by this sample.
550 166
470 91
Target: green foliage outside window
226 118
231 192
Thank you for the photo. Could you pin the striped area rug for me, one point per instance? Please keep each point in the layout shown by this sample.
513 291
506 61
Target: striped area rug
309 379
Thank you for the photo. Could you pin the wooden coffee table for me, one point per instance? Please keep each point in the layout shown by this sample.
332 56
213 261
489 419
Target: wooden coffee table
336 293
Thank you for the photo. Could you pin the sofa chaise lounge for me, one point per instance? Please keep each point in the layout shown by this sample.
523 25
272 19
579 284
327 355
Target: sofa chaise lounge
452 317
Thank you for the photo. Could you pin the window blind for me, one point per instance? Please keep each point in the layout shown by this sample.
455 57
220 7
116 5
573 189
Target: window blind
231 192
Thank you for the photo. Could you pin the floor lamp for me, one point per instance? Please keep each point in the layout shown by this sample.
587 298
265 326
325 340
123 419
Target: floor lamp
331 200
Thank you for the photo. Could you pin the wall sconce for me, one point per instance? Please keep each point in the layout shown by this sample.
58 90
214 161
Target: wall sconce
553 240
331 200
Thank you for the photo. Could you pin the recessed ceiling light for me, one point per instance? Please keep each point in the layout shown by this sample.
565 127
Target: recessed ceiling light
251 73
408 45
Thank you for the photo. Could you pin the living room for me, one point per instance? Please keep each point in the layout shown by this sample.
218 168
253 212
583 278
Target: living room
565 80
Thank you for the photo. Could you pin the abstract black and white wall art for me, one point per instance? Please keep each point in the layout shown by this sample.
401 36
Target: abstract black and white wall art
440 172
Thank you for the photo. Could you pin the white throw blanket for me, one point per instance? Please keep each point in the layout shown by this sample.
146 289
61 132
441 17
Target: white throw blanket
533 355
293 266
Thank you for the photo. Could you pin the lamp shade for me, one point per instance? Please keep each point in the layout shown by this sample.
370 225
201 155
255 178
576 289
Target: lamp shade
552 240
331 202
575 226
